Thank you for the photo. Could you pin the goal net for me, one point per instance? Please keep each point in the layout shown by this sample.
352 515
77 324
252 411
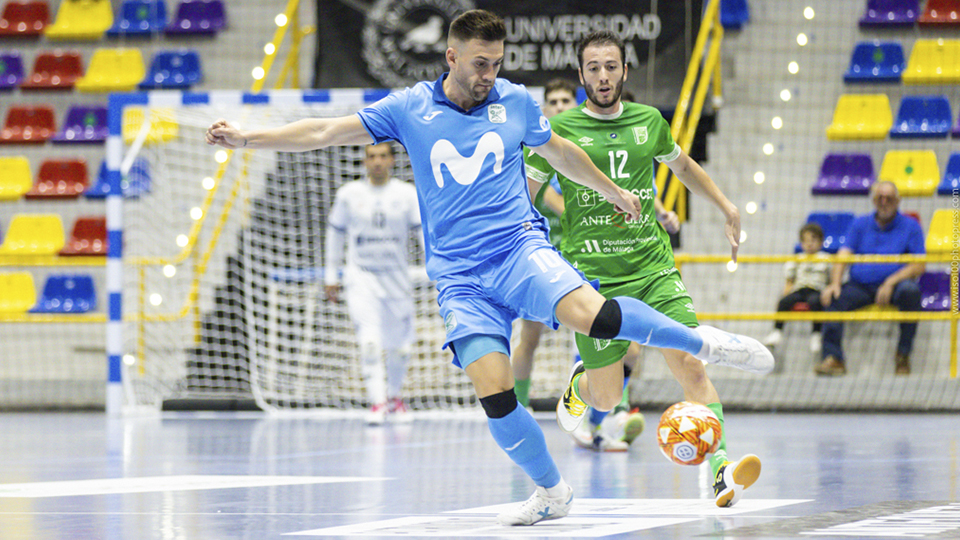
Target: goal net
223 269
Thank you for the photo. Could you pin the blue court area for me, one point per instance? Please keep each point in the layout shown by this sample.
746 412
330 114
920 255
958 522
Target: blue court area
253 476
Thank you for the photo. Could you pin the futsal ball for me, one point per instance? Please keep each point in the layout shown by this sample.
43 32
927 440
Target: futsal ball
687 432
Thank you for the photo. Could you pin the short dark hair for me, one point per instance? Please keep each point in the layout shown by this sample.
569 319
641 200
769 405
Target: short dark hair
558 84
813 229
393 151
478 24
600 37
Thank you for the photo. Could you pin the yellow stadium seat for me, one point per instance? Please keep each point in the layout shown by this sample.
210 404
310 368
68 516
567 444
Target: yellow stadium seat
861 116
14 177
17 294
941 237
934 61
81 19
163 125
33 234
113 70
915 172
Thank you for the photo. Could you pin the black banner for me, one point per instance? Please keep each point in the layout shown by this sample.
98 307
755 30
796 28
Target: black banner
395 43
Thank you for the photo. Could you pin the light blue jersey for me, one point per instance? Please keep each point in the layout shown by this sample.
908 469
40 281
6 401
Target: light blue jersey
468 167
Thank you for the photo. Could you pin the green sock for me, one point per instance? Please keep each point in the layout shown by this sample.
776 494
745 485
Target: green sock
624 404
522 388
721 454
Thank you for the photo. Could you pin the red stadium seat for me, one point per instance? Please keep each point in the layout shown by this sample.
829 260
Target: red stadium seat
28 124
24 19
56 69
941 13
89 237
60 179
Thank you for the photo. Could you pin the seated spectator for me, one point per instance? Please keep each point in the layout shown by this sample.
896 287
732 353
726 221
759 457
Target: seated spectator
805 280
885 232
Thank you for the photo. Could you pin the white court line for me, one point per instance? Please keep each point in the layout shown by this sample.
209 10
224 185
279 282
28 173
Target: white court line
148 484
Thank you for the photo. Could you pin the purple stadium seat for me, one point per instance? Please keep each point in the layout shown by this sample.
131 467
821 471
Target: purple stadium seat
84 124
956 129
935 291
198 17
11 70
891 13
845 174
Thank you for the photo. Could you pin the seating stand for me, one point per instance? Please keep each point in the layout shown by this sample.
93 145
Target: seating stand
141 18
89 238
11 70
57 70
84 124
24 19
845 174
28 124
67 293
14 177
198 17
890 13
951 176
60 179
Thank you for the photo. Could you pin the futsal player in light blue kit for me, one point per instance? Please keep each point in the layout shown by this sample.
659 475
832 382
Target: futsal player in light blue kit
487 247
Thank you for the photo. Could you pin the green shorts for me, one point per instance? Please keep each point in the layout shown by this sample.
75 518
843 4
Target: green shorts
663 291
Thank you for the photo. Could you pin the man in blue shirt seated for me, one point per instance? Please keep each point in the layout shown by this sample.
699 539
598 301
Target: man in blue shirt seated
885 232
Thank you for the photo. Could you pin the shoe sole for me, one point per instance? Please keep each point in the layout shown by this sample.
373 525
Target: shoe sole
744 475
633 428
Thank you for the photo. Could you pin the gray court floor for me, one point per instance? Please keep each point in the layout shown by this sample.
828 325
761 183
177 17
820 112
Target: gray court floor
250 476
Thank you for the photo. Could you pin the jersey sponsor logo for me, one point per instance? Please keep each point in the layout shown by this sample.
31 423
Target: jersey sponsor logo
585 141
544 123
497 114
402 39
640 135
429 117
587 197
601 344
465 169
450 322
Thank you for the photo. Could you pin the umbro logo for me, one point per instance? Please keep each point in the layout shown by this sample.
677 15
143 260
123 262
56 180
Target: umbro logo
585 141
429 117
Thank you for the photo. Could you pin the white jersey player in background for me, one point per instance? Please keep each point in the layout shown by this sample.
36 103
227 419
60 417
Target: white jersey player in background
375 218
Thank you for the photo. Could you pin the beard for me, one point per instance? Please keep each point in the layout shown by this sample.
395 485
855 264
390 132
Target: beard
614 96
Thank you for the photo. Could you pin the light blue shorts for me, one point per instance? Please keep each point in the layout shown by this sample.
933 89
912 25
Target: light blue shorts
526 282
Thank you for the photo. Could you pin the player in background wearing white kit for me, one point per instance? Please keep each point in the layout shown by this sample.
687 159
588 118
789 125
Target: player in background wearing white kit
376 217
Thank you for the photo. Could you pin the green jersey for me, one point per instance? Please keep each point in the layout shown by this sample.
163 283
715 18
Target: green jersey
597 240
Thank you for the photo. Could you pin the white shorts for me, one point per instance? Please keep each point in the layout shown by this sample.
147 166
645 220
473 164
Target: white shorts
387 321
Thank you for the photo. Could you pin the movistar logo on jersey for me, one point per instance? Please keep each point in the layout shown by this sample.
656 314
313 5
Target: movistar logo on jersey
585 141
465 169
497 113
640 134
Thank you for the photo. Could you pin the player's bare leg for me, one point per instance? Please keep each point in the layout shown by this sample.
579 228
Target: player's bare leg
522 359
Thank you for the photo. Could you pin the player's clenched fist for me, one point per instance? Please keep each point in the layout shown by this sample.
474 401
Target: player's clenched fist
223 134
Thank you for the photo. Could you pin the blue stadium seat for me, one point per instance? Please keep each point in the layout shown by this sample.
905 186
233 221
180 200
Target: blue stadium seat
834 225
140 18
876 62
951 177
134 184
734 14
67 293
173 69
935 291
922 117
11 70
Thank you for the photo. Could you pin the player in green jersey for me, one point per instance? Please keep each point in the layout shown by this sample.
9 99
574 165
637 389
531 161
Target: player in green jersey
633 258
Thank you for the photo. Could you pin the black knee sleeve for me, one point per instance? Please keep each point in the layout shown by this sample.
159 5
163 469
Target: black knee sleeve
607 323
499 405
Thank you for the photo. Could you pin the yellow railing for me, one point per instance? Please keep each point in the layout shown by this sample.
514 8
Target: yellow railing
704 69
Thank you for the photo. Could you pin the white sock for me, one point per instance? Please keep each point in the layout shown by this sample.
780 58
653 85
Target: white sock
373 374
558 490
396 369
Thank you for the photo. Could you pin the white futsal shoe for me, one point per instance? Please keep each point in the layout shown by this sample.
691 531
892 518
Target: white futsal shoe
539 507
726 349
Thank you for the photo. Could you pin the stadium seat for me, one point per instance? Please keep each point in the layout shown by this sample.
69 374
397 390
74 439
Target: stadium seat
922 117
81 20
67 293
935 291
17 294
940 238
834 225
861 117
60 179
55 70
113 70
84 124
24 19
33 234
134 184
140 18
89 237
955 132
11 70
163 126
941 13
14 177
891 13
933 61
31 124
173 69
915 172
875 62
951 176
845 174
734 14
198 17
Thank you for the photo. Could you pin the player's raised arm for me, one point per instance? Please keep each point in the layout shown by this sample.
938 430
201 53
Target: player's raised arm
571 161
299 136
